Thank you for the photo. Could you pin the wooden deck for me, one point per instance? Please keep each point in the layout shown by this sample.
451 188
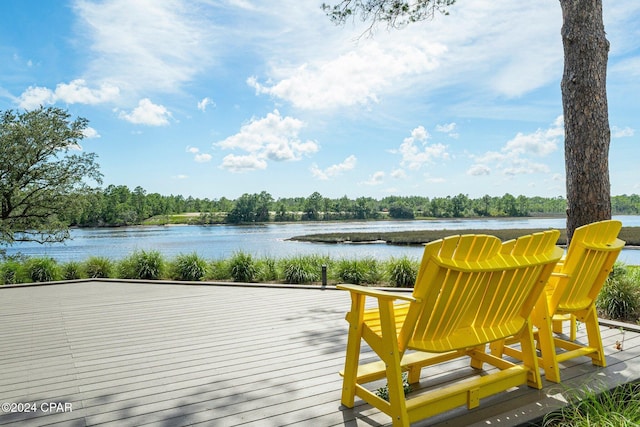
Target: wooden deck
133 354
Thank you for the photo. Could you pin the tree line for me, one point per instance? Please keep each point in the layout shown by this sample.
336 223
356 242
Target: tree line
118 205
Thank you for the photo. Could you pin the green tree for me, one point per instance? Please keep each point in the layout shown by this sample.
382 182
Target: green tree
584 95
41 173
313 206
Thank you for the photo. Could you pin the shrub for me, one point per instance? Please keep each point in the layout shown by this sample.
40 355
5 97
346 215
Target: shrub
403 272
143 265
189 267
266 270
12 272
242 267
358 272
71 270
98 267
620 296
303 269
218 270
43 270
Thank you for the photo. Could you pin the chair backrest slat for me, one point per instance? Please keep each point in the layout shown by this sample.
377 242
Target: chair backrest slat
473 291
592 252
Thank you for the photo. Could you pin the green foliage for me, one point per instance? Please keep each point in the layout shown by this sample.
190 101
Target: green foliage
98 267
43 270
403 272
383 392
41 174
302 269
266 270
589 408
189 267
620 295
359 271
242 267
143 265
71 270
12 272
218 270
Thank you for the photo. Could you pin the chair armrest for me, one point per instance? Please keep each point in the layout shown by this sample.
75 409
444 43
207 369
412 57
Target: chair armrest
380 294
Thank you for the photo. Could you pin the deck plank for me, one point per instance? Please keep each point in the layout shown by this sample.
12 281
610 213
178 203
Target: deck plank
130 353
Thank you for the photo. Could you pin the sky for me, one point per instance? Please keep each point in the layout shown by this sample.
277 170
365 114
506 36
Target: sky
218 98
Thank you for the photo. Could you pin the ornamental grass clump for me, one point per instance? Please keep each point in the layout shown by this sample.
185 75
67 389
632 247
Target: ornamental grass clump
218 269
611 408
242 267
189 267
301 269
403 272
43 270
98 267
620 296
143 265
71 270
359 271
12 272
266 270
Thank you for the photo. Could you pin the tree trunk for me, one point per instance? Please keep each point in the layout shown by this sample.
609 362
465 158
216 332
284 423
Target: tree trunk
586 116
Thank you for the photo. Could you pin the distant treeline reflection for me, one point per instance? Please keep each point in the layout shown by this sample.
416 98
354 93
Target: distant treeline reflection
118 205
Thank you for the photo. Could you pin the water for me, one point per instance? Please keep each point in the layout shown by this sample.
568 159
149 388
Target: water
221 241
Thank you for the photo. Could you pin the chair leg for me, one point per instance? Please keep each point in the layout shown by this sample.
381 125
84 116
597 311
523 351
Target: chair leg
352 358
594 337
529 357
544 323
392 356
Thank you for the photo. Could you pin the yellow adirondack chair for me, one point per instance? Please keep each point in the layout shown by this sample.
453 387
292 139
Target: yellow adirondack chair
468 293
571 294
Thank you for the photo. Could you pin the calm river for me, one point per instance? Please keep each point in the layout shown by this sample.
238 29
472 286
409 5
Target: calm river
221 241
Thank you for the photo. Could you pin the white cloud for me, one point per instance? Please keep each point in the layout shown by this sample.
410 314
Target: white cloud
477 170
617 132
145 45
398 174
348 164
90 133
181 176
75 92
515 156
202 157
270 138
204 103
192 150
359 76
416 152
375 179
449 129
147 113
244 163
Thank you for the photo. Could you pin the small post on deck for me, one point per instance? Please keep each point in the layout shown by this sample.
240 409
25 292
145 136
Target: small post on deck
324 275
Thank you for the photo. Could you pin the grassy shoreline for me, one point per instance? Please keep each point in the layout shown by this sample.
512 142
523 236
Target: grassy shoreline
631 235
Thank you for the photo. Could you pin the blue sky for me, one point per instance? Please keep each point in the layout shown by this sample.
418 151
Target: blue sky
214 98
